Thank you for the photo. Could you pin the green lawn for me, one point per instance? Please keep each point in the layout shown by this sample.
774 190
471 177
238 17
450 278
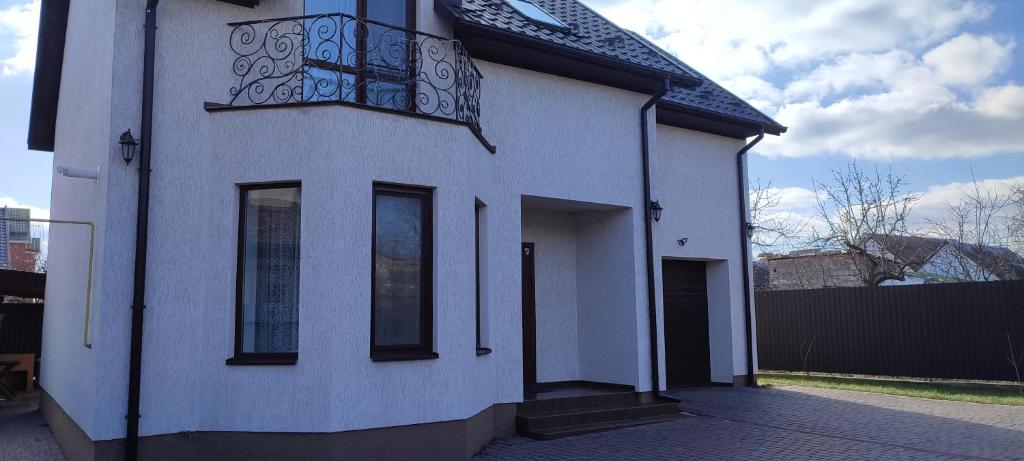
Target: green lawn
905 388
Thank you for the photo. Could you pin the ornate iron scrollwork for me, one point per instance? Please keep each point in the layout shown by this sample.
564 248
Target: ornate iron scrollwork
343 58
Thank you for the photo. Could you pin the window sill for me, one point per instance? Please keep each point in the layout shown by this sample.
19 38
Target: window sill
483 351
275 359
402 356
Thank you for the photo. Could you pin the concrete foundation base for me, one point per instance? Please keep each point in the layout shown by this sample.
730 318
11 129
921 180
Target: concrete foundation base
453 440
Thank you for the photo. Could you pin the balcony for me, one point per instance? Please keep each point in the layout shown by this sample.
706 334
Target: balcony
343 59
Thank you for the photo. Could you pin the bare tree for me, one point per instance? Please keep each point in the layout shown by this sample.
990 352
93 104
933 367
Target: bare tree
774 229
1016 218
976 229
865 217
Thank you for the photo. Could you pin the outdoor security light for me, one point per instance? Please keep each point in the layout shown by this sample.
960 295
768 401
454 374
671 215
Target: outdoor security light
750 230
128 145
682 241
656 210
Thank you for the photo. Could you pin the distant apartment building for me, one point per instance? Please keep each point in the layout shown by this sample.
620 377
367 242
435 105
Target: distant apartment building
18 231
4 258
18 250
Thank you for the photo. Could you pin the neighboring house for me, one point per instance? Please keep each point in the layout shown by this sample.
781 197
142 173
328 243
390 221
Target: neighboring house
807 269
373 238
927 260
935 260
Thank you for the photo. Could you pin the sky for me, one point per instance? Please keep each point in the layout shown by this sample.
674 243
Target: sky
933 89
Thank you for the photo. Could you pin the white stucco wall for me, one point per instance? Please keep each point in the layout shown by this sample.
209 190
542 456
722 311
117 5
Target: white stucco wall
556 138
694 177
554 237
69 371
607 331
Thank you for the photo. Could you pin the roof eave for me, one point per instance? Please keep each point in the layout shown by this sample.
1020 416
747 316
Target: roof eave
683 116
53 23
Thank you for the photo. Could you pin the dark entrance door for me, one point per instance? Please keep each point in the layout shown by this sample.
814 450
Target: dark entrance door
687 353
529 320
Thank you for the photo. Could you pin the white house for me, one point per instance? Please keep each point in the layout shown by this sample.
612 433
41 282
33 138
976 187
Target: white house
380 229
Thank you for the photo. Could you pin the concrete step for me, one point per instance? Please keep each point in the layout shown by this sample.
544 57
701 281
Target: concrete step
592 415
611 399
569 431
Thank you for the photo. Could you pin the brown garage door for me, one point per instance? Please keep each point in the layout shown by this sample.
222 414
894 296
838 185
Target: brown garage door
687 354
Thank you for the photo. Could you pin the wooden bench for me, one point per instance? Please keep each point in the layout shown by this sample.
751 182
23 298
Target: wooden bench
26 363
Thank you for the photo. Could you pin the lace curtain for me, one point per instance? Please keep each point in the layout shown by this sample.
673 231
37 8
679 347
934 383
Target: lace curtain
273 226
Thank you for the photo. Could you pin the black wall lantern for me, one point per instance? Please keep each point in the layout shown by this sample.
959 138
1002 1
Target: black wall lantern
750 230
656 210
128 145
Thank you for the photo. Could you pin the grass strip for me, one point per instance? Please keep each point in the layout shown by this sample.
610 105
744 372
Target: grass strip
904 388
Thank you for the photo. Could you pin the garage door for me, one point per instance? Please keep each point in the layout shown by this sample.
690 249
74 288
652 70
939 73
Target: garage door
687 354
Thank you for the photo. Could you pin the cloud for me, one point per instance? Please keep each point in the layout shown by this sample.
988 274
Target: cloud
726 38
36 212
932 202
872 79
969 59
896 105
19 26
1002 102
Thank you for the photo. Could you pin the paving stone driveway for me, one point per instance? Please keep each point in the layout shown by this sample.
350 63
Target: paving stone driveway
794 423
23 433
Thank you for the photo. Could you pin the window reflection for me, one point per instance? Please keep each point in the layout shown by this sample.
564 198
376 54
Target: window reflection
401 300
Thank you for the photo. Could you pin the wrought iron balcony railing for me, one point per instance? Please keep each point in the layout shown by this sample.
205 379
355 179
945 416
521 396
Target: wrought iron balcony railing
339 58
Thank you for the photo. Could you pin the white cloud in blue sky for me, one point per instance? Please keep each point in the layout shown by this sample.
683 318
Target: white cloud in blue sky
928 87
871 79
19 25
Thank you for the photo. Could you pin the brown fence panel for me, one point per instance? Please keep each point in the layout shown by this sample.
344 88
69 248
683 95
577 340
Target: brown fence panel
21 330
956 330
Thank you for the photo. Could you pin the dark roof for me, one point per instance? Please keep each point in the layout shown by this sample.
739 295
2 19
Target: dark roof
712 98
912 250
698 103
590 32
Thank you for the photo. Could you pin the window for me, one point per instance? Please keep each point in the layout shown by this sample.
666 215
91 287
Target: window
351 61
267 292
535 13
479 215
402 312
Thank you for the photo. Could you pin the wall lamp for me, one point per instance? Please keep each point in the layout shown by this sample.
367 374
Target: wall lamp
750 230
656 210
128 145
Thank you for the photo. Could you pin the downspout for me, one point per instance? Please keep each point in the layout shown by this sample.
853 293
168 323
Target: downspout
741 187
652 305
141 237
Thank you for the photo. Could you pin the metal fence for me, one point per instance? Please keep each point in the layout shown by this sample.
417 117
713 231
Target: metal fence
961 330
21 329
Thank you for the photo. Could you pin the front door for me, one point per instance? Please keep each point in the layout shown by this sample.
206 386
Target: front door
687 348
529 320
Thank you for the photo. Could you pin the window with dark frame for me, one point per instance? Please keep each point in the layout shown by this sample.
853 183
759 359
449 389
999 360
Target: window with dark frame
402 298
373 63
478 215
267 279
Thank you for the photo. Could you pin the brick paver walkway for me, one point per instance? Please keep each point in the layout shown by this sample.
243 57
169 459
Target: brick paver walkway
795 423
23 433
